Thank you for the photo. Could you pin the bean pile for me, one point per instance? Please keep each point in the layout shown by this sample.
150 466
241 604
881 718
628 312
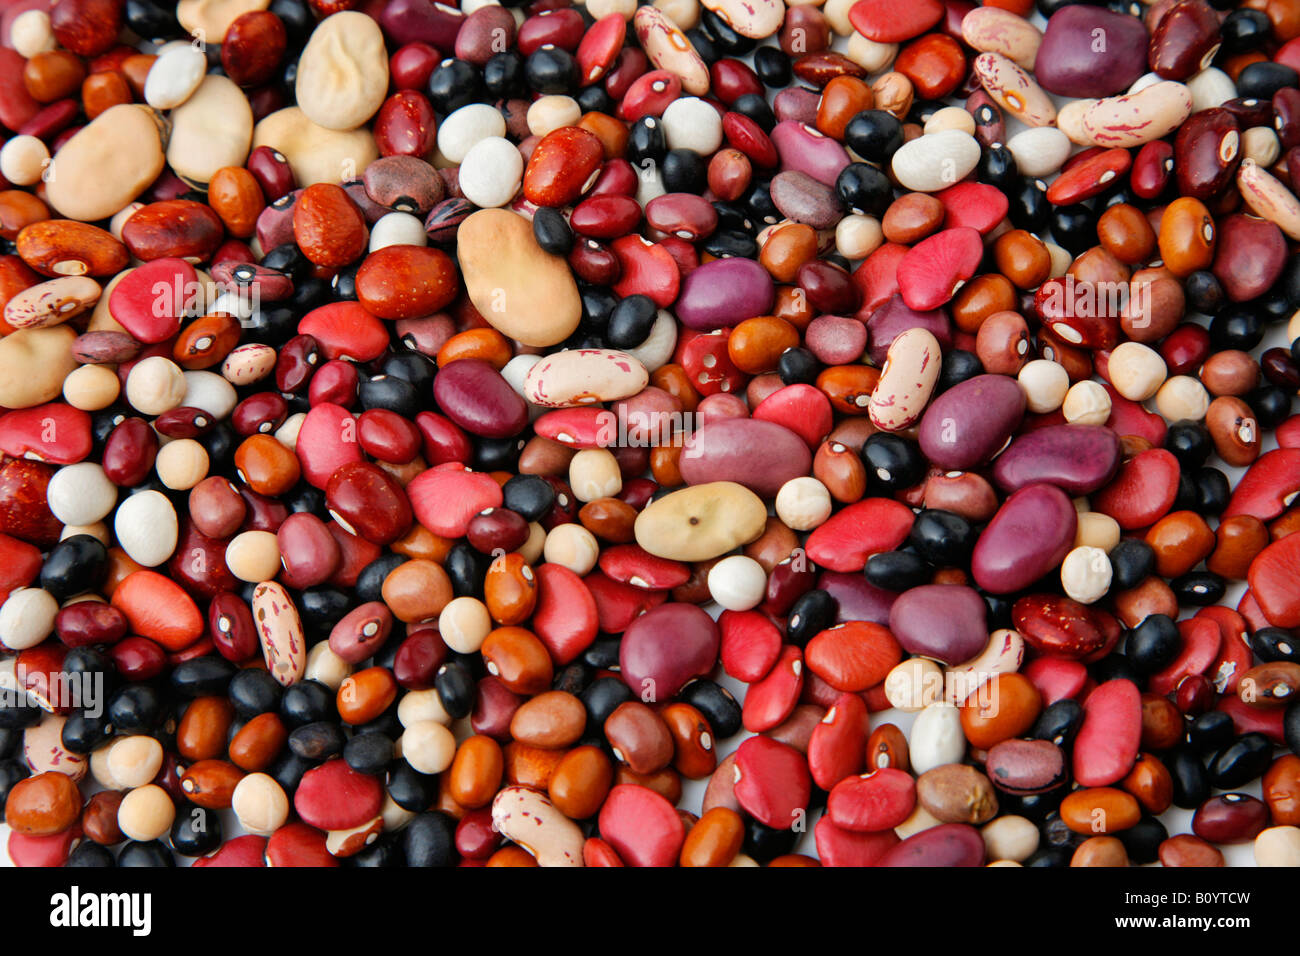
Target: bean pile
389 388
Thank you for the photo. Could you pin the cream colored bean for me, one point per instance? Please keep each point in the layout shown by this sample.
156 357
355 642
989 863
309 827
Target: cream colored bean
210 392
428 746
1045 384
936 738
914 684
528 818
182 464
1040 150
146 527
573 546
80 493
951 117
394 816
1136 371
1259 144
107 164
420 705
325 666
469 124
134 761
868 54
549 113
174 76
594 473
1086 403
23 159
738 583
27 618
1278 846
211 129
397 229
1061 259
1183 397
97 530
260 804
491 173
30 33
1069 120
464 624
684 13
51 303
91 388
935 161
208 20
343 71
857 237
155 385
315 153
1086 574
920 819
837 15
146 813
803 503
1210 88
99 768
1096 530
1010 839
906 381
531 550
287 434
253 556
33 365
624 8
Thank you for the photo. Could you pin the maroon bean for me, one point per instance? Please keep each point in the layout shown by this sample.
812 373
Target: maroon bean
723 293
231 627
1030 535
474 395
90 622
948 844
129 452
666 647
942 621
1230 818
971 422
1069 62
1078 459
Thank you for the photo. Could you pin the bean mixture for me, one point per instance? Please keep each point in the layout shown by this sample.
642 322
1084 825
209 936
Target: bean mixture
416 418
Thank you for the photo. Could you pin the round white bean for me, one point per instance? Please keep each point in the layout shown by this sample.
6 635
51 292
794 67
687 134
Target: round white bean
738 582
